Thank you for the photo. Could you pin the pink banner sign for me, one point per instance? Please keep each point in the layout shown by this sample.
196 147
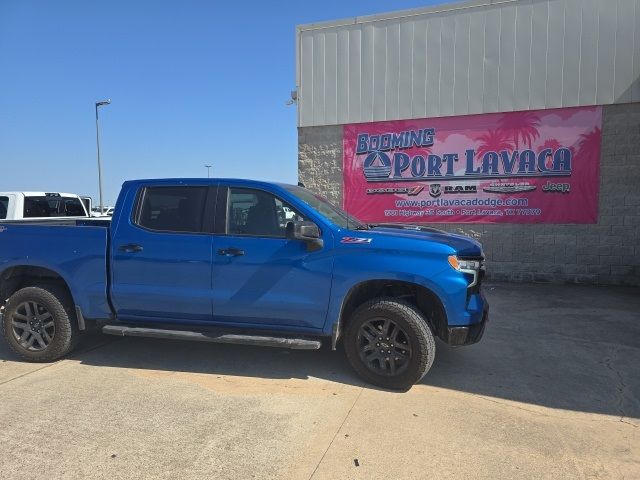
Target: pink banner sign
519 167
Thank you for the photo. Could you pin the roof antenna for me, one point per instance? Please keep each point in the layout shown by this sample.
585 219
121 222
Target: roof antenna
300 184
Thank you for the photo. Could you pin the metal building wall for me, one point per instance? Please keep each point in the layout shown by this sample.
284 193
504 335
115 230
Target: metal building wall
473 57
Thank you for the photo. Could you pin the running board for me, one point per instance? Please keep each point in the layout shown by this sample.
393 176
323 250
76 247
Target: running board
214 337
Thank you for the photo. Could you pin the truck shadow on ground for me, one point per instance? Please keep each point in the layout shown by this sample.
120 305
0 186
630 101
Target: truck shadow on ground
573 348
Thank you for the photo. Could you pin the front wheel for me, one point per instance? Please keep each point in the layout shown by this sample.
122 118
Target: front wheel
389 343
39 323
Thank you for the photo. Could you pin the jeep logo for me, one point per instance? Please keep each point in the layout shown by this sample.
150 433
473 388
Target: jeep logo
556 187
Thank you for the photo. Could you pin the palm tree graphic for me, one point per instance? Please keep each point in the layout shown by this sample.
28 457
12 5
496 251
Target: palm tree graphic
521 126
589 144
494 141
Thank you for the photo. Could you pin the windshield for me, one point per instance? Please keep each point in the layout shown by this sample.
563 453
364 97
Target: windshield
322 205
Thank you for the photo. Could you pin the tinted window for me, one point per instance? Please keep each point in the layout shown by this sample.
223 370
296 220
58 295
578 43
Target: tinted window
172 209
73 207
4 206
258 213
52 206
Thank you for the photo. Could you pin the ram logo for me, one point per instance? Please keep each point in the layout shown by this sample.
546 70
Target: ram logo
435 190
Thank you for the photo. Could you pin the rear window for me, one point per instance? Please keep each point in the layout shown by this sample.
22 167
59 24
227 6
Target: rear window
51 206
172 209
4 206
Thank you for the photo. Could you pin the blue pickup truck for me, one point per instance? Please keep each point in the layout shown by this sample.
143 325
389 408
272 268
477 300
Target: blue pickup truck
248 262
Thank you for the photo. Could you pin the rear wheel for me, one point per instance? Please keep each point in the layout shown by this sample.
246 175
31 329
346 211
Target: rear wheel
389 343
39 323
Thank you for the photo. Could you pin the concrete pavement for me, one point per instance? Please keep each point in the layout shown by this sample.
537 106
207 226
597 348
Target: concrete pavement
552 391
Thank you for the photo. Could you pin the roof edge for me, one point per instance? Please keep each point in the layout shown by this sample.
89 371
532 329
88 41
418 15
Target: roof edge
378 17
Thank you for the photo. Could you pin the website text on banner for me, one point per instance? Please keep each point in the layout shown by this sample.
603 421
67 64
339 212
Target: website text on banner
519 167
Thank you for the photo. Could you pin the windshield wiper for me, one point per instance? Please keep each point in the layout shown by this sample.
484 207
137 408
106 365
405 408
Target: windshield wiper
362 226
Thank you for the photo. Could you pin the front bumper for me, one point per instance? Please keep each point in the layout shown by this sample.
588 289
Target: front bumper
466 335
465 308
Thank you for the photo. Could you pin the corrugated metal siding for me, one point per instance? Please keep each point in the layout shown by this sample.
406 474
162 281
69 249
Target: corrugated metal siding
469 58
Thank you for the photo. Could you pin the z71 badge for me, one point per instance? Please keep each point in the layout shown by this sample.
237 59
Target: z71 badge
355 240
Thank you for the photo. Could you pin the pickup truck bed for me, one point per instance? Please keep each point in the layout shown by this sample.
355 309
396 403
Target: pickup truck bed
74 249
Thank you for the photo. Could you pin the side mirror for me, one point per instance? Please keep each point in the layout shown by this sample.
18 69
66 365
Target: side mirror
308 232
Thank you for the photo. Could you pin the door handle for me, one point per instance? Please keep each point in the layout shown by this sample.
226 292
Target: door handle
231 252
130 248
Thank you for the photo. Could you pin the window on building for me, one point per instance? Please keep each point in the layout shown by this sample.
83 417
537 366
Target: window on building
172 209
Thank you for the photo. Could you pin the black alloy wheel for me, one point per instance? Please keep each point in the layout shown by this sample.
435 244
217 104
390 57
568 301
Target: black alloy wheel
384 346
389 343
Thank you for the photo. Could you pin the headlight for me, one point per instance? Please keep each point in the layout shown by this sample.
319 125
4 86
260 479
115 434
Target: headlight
463 265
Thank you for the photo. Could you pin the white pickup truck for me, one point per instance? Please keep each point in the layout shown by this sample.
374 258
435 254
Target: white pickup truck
37 205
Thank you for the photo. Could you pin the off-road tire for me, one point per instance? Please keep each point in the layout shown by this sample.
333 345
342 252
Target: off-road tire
59 304
409 318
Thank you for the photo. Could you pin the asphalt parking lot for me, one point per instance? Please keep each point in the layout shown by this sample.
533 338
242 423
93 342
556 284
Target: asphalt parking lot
552 391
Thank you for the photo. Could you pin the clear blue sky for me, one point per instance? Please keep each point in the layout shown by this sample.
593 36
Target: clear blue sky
192 83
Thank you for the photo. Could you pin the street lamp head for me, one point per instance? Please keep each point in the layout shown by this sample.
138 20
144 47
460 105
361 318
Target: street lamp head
103 102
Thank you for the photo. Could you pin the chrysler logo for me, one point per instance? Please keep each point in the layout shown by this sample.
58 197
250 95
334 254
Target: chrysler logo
509 188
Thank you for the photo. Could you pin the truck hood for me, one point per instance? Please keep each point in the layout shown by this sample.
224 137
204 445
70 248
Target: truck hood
464 246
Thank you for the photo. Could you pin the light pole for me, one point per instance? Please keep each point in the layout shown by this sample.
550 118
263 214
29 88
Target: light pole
99 104
208 170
